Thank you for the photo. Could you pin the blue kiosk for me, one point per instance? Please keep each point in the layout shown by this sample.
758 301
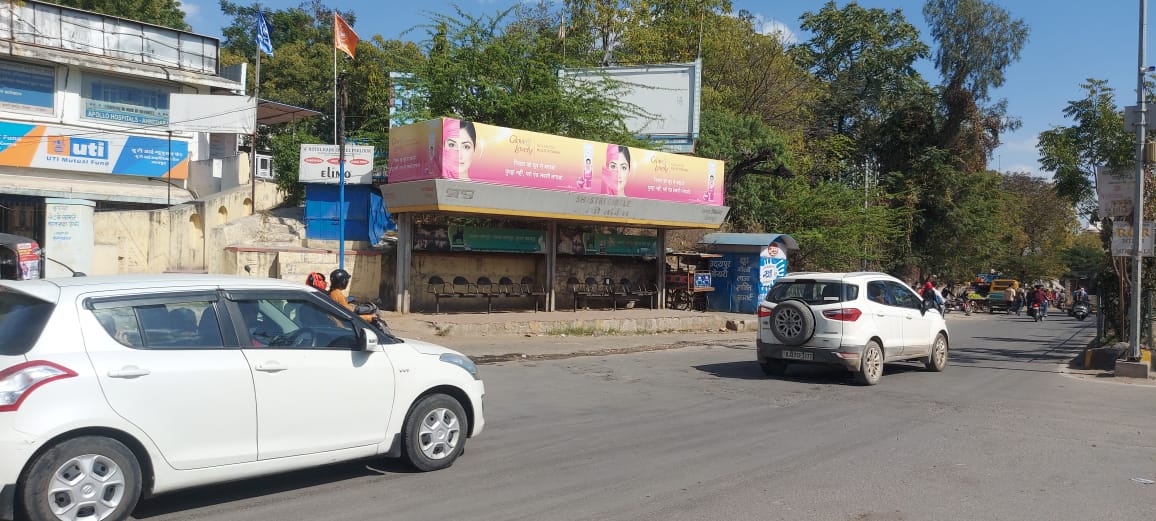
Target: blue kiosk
747 268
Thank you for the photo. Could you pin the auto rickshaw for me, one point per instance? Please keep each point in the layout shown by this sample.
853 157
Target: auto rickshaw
20 258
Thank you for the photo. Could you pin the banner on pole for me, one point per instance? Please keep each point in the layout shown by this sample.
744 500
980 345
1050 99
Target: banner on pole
1122 239
1114 189
321 164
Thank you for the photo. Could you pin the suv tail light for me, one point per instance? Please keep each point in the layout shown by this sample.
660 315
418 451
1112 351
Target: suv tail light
764 312
844 314
18 381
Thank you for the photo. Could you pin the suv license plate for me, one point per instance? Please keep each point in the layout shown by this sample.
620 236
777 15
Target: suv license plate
799 355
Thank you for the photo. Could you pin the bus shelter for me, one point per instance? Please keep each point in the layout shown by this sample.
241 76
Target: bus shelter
562 195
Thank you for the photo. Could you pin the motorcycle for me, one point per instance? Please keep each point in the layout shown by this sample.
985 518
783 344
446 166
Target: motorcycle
1036 313
958 304
1080 310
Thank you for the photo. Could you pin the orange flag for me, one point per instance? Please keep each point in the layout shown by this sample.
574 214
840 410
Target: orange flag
344 39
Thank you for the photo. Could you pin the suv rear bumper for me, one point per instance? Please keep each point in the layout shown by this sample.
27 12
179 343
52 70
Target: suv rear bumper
845 356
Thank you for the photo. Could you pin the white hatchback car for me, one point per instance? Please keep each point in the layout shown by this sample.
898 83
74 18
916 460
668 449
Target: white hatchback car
114 388
854 320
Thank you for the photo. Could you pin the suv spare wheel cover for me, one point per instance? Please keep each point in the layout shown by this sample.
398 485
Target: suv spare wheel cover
792 322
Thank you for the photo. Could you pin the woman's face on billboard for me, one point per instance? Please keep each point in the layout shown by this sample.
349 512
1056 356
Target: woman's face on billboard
465 151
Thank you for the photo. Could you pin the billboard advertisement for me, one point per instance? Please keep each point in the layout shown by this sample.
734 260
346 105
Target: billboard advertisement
322 164
454 149
77 150
667 94
27 88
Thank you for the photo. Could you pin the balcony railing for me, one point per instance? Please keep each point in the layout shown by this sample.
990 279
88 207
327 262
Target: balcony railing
27 21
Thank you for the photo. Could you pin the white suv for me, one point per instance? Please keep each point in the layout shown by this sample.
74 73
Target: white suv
854 320
114 388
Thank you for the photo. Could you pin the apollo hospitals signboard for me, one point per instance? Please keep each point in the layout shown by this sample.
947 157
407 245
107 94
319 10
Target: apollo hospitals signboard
462 150
322 164
83 150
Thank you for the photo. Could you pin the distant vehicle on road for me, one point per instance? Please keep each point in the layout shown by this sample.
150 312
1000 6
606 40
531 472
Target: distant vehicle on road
114 388
857 321
996 300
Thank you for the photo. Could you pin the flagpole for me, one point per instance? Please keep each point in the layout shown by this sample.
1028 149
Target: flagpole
253 147
335 77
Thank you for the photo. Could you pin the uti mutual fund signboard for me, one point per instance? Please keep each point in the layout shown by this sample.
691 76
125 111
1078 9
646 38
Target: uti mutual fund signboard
460 150
82 150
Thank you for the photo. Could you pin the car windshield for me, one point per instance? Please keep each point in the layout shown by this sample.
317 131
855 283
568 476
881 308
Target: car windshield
22 318
813 291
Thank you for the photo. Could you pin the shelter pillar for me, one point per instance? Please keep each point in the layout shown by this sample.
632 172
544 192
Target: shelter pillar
551 262
660 267
404 261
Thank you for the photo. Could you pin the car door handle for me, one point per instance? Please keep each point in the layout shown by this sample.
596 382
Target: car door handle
909 317
271 367
128 371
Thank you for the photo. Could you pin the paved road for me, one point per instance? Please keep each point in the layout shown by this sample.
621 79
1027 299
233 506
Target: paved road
700 434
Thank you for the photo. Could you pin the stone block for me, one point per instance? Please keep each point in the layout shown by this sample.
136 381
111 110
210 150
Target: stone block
1132 369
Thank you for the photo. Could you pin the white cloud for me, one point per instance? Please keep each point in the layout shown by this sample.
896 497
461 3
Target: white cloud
191 10
772 27
1021 145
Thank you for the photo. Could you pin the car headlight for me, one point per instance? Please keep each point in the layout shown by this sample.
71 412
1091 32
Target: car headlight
460 361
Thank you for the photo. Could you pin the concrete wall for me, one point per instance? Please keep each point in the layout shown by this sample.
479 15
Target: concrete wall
497 265
295 265
179 238
581 267
471 266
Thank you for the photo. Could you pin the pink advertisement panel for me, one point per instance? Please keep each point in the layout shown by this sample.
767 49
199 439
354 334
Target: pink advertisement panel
454 149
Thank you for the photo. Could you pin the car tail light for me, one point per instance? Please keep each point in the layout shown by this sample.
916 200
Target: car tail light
764 312
18 381
844 314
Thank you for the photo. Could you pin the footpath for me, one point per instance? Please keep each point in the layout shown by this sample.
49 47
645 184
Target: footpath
495 337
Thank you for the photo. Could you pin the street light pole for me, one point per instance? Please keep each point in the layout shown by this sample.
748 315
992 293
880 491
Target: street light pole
1138 226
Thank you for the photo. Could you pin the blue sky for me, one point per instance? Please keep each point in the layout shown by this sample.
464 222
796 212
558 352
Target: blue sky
1070 41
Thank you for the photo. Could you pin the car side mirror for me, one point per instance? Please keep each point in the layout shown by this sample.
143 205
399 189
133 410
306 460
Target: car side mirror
369 341
923 306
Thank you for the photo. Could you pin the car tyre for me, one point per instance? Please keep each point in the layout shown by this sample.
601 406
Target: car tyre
937 359
870 365
435 433
792 322
773 367
89 477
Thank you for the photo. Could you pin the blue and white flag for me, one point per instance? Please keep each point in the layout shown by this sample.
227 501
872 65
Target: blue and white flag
263 41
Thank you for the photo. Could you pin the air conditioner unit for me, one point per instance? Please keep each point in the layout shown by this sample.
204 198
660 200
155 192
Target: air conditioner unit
264 166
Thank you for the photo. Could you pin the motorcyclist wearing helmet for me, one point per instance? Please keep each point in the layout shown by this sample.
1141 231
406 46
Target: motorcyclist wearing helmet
338 284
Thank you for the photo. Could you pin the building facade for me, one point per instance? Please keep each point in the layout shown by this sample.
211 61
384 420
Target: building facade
84 125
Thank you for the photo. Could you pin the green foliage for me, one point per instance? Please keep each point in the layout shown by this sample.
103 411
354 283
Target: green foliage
1086 257
165 13
747 146
1098 138
286 148
482 69
1043 227
835 232
864 60
977 41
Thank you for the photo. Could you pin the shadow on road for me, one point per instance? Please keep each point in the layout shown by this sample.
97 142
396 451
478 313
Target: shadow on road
303 479
803 373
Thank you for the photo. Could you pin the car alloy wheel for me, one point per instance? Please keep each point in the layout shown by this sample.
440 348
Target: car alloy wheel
439 434
937 359
435 432
89 478
871 365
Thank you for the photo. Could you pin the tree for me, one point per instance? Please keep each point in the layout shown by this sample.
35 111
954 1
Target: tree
747 146
485 69
977 41
165 13
1043 227
834 231
1098 138
1085 258
748 73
